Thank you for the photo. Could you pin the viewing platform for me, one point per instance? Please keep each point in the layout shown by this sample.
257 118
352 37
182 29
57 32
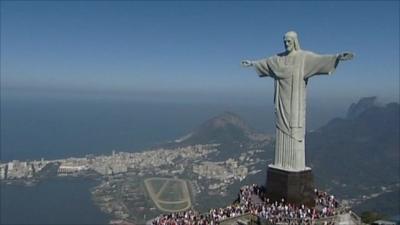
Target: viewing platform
343 218
254 207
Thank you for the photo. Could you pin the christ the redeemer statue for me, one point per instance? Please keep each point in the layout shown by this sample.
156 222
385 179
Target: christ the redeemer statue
291 71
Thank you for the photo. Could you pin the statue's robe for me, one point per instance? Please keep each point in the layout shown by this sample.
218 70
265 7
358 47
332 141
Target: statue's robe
291 73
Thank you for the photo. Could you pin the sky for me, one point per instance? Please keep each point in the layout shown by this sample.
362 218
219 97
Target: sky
191 50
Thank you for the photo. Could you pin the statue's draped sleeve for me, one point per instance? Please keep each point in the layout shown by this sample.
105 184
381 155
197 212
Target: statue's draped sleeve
315 64
262 68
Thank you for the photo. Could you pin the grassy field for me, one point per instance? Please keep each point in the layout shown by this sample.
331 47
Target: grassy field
173 191
156 184
170 195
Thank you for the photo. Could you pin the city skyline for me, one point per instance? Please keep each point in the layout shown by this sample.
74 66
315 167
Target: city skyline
191 50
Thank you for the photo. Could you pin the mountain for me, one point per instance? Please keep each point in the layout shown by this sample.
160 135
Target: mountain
225 128
358 108
358 155
230 131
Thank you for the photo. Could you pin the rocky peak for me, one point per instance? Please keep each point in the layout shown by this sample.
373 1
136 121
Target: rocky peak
361 106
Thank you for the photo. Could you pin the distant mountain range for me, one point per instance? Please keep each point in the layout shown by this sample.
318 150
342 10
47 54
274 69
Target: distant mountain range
358 156
353 156
361 150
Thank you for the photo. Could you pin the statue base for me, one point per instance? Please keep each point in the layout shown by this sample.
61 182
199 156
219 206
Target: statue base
296 187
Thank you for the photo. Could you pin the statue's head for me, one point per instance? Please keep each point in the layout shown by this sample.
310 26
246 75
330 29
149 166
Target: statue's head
291 42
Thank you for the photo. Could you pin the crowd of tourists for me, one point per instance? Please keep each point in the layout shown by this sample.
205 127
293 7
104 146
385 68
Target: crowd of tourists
252 200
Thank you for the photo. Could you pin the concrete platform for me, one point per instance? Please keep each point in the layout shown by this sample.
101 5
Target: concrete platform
294 186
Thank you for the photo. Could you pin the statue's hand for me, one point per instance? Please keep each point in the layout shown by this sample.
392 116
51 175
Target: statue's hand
246 63
346 56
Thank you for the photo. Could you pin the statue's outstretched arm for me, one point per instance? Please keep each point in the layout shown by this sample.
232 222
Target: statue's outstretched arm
345 56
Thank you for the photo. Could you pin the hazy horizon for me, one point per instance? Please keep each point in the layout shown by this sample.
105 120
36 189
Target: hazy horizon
186 54
53 127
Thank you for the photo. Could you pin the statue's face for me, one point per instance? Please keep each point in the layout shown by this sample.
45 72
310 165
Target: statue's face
289 44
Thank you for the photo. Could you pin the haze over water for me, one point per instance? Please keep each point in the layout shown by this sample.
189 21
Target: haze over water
52 128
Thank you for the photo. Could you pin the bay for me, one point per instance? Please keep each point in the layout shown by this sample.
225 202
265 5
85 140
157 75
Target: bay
55 201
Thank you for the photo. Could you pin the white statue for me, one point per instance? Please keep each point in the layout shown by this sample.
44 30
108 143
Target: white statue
291 71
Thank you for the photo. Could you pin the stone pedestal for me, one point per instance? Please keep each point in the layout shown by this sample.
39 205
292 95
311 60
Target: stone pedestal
294 186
